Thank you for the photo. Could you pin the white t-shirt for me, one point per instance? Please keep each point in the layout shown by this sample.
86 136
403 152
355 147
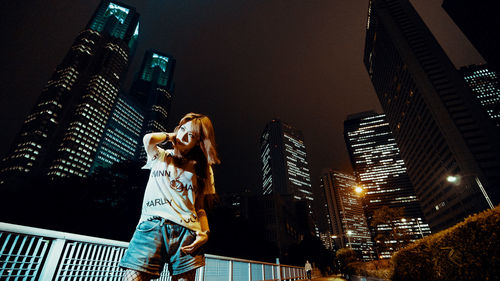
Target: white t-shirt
174 202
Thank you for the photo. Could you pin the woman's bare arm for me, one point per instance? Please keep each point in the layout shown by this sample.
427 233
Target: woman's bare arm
152 139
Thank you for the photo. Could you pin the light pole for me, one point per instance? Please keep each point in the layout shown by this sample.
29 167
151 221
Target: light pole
455 179
349 233
418 225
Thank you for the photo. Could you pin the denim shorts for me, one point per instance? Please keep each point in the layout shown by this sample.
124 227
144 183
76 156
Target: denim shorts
159 241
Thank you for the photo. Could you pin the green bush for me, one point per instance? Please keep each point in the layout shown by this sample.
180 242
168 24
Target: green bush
377 268
467 251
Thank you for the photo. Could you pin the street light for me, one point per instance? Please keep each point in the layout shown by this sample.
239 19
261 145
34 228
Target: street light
455 179
358 189
349 233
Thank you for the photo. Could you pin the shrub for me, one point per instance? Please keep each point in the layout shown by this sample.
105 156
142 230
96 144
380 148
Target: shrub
468 251
377 268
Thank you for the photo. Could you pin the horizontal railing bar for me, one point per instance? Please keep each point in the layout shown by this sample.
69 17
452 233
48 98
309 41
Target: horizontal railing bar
247 261
28 230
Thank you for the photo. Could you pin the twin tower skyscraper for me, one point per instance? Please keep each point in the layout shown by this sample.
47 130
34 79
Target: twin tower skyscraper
83 120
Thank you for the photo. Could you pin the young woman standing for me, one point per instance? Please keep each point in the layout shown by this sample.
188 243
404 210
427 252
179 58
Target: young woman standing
173 223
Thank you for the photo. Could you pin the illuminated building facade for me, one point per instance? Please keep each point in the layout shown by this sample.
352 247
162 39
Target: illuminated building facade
154 86
61 134
122 135
484 83
440 127
346 217
478 20
285 170
378 166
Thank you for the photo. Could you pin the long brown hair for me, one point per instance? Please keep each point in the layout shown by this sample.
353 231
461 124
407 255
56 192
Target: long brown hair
204 154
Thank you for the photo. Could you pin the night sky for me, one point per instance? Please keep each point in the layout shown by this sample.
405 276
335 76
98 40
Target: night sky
242 63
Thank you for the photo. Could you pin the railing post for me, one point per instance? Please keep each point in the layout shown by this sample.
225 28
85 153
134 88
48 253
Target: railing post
279 268
230 270
249 271
53 257
263 272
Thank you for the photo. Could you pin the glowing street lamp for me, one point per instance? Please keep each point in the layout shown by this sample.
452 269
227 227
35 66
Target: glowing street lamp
455 179
358 189
452 179
349 233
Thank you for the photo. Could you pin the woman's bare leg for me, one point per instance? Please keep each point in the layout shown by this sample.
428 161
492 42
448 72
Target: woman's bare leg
134 275
186 276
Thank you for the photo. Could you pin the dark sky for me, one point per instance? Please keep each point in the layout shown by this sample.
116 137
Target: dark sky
240 62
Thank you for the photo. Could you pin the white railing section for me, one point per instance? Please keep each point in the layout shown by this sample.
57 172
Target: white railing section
28 253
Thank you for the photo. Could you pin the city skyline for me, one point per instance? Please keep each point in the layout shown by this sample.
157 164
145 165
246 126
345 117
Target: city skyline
222 96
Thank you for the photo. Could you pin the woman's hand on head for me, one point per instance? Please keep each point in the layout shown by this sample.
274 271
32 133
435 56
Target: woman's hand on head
170 136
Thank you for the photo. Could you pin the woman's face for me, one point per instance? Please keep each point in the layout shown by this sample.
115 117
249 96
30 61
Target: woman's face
185 138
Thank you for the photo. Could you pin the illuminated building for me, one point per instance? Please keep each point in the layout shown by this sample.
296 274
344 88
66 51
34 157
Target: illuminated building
440 127
285 169
122 135
154 86
378 166
61 134
484 83
347 221
285 172
478 20
144 110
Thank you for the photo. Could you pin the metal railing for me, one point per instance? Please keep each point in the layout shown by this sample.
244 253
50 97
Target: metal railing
28 253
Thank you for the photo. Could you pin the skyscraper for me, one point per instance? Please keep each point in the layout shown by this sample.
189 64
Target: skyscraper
285 169
440 128
143 110
60 135
154 86
478 20
379 168
347 221
485 84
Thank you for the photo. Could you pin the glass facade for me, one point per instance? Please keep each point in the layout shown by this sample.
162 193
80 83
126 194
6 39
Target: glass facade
122 135
377 163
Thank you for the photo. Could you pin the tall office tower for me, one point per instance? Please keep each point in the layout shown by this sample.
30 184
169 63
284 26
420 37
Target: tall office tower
442 132
377 163
285 169
321 211
154 86
348 224
478 20
484 83
61 133
122 135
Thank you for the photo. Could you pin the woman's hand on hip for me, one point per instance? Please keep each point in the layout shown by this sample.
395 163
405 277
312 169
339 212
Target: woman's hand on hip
201 238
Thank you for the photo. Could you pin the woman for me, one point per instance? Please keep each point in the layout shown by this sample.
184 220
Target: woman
173 223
